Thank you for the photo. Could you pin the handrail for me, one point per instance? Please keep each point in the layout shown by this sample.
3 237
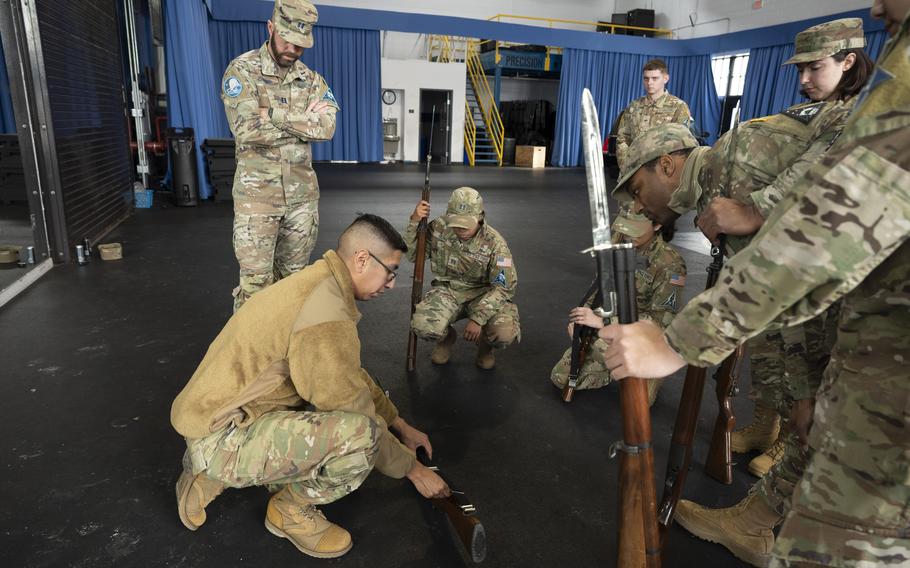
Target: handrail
613 27
470 132
485 100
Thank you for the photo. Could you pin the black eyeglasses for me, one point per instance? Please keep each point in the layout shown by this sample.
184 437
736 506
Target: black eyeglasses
392 274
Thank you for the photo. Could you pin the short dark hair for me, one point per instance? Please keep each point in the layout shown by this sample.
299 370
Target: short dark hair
656 65
854 78
380 229
652 165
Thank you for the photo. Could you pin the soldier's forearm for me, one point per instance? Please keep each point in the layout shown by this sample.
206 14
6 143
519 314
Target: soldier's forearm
307 126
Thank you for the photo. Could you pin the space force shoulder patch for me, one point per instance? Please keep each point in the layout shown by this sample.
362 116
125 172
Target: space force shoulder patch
805 113
233 87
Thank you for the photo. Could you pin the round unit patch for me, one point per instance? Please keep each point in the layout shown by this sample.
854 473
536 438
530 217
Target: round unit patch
232 86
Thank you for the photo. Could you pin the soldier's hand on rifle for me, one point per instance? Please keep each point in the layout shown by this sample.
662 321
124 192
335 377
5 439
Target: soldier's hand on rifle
427 482
639 350
730 217
411 437
472 331
585 316
801 417
422 211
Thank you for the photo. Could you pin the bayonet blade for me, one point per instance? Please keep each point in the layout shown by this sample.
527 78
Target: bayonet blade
600 209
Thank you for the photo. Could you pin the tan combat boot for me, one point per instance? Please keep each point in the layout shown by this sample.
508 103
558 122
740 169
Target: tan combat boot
745 529
762 464
760 434
485 358
653 388
305 526
443 350
194 493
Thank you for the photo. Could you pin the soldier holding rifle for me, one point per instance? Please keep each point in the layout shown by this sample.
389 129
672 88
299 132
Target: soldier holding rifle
659 288
474 278
841 233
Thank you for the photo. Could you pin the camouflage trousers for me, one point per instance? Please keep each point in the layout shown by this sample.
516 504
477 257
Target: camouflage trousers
320 456
593 373
852 506
271 247
440 308
797 355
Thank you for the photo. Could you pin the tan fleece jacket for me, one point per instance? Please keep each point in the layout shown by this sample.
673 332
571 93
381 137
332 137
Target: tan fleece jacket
295 341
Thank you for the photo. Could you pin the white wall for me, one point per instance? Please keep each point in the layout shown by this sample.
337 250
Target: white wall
713 17
585 10
411 76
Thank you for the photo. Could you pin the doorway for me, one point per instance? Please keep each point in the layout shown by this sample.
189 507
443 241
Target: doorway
435 114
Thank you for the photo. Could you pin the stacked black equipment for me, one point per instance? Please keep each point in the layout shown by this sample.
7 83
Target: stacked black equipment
12 176
221 162
640 18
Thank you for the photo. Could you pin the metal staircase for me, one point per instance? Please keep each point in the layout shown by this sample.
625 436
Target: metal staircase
480 150
483 130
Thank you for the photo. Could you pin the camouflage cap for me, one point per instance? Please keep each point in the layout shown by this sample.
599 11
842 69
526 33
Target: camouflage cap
465 208
632 224
656 142
293 21
824 40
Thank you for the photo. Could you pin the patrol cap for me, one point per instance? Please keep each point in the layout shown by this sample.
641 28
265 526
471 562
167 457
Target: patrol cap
293 20
824 40
656 142
632 224
465 208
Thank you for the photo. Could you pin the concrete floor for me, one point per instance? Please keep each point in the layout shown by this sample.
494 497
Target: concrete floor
94 355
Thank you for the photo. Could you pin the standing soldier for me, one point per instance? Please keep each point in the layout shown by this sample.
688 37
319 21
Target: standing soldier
840 233
474 278
276 106
655 108
658 287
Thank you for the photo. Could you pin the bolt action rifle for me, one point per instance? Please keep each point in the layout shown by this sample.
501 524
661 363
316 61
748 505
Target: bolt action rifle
639 540
583 337
460 514
421 254
719 463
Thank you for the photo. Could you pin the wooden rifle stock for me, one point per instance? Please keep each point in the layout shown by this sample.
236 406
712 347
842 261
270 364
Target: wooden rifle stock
420 256
680 457
639 537
460 514
719 463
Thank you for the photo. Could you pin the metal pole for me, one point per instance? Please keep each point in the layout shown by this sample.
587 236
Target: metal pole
138 109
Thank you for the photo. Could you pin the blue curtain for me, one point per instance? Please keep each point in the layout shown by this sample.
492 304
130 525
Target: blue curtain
7 119
615 80
193 86
348 59
770 86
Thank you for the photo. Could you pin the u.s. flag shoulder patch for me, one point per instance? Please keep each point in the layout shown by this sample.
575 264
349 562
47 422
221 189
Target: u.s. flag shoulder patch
678 280
504 262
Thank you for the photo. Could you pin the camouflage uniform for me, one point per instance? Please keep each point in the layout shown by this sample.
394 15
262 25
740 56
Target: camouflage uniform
643 114
659 289
771 154
473 279
275 189
841 233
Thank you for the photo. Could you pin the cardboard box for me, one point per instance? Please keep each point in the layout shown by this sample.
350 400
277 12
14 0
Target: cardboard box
531 156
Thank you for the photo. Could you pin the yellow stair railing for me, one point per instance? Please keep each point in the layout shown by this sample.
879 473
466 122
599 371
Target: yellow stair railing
470 133
489 111
446 49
